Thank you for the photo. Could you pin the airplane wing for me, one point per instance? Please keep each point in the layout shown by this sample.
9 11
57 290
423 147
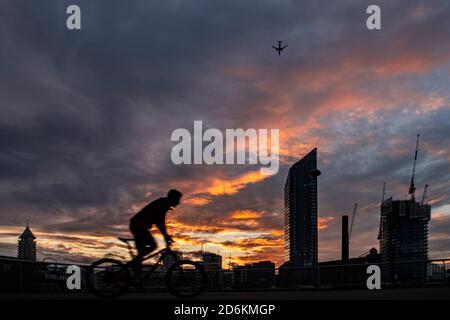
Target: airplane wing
283 47
275 47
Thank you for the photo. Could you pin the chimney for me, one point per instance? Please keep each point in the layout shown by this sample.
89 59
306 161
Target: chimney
345 245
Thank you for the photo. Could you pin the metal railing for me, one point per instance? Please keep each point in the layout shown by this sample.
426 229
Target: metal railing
27 276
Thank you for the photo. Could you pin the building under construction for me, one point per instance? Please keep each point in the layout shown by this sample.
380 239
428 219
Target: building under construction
404 240
403 236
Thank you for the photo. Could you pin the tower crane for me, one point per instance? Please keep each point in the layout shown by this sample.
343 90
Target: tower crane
382 200
353 219
412 188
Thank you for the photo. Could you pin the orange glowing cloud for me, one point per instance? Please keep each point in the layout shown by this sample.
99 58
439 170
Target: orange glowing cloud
197 201
198 228
323 222
233 186
246 214
198 192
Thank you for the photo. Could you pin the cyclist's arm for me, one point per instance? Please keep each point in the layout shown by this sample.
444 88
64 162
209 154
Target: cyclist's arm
161 225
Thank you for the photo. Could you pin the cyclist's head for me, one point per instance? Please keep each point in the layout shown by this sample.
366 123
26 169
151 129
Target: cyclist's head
174 197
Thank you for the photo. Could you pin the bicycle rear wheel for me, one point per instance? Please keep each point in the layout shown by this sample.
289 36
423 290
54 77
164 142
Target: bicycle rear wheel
186 279
108 278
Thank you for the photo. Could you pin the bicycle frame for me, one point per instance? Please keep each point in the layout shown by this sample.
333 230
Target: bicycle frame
160 253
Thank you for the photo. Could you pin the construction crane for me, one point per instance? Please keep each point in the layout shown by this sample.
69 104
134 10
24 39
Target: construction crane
424 196
382 200
353 219
412 188
364 254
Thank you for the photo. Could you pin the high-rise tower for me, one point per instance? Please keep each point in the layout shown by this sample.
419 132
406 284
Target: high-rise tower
300 212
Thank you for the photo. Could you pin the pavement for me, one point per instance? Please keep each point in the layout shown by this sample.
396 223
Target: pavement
434 293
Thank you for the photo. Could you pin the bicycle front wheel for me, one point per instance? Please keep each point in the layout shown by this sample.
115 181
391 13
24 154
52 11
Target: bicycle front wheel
107 278
186 279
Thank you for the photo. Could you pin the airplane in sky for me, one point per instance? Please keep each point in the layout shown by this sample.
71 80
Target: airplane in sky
279 48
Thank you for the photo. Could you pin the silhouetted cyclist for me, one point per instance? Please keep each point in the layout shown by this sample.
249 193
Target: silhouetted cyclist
153 213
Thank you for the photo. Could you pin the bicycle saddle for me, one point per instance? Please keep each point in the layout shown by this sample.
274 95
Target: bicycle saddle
126 240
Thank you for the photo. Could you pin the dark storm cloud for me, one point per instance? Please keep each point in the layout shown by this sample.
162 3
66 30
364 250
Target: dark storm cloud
113 92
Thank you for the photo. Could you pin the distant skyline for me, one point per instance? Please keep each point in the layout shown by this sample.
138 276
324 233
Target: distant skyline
86 119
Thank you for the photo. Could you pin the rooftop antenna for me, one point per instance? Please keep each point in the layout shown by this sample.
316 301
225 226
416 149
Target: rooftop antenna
412 188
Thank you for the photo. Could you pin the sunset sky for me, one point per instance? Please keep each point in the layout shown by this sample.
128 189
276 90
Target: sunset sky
86 118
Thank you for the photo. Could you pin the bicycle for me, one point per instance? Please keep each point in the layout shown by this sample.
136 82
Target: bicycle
110 278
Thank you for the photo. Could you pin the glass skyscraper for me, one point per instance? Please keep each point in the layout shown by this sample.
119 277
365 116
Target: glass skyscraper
300 212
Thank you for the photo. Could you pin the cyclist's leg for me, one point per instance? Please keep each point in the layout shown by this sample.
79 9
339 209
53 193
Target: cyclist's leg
144 244
139 235
151 244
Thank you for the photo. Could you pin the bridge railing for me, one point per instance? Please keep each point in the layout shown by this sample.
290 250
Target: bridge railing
27 276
